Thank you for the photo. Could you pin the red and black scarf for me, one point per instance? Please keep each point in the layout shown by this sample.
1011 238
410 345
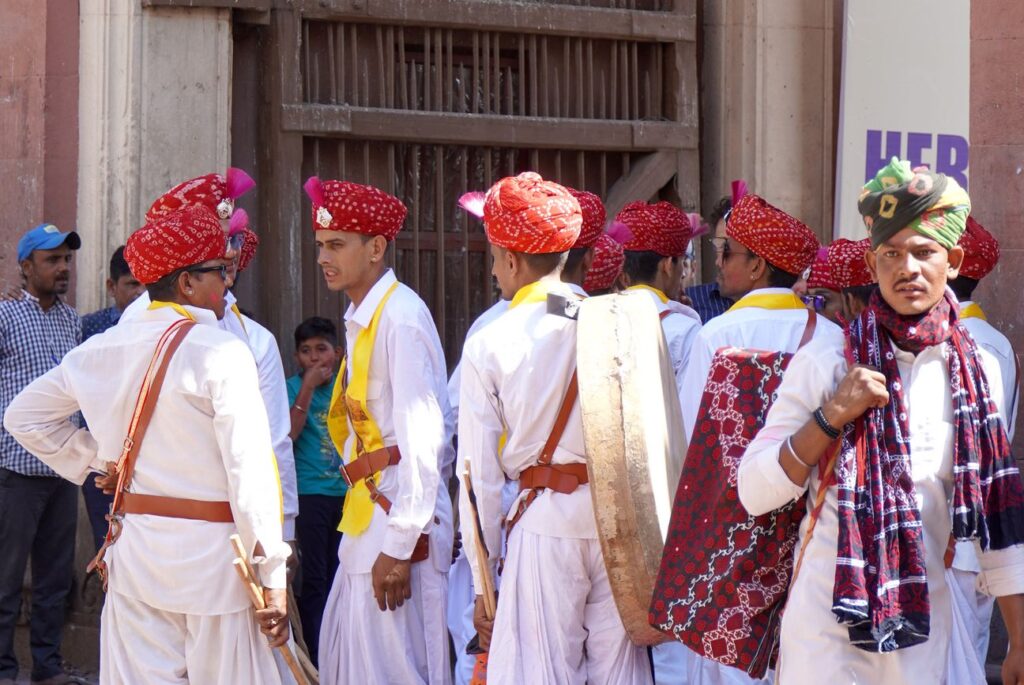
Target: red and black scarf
881 583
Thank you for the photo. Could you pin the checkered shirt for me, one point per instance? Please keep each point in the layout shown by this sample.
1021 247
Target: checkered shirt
32 342
99 321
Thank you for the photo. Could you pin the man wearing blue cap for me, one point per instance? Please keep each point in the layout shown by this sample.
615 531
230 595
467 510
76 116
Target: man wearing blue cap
38 509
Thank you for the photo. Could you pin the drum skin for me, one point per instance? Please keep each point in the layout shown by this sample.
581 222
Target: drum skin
633 429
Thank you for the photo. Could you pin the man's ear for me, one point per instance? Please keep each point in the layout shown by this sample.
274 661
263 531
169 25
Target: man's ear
759 268
378 248
110 287
956 260
870 258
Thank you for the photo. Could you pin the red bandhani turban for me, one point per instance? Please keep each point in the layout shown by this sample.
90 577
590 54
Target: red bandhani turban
847 265
213 190
240 224
981 251
191 235
354 207
782 240
525 213
594 217
661 228
821 274
608 260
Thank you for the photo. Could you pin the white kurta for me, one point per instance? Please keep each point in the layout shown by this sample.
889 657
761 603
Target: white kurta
208 440
681 329
973 608
747 327
514 375
273 390
408 398
810 633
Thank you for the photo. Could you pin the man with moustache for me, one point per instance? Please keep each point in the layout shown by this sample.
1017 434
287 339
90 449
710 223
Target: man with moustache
915 407
38 509
384 621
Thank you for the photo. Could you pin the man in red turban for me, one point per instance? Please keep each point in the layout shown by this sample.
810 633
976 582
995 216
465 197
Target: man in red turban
604 272
840 283
218 193
518 376
391 422
203 469
657 236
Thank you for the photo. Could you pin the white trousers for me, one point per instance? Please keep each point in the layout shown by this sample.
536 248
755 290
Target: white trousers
360 644
140 644
460 617
972 619
557 623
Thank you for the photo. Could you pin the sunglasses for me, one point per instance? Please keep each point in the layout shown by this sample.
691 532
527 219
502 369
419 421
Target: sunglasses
234 242
221 269
815 302
721 246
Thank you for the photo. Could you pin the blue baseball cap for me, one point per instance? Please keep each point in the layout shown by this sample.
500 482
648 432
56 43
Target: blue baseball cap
46 237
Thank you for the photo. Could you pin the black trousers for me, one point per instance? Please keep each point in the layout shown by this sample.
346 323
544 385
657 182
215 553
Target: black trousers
316 528
38 515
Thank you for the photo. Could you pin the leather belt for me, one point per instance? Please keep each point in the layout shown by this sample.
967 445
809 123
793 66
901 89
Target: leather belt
370 464
563 478
178 508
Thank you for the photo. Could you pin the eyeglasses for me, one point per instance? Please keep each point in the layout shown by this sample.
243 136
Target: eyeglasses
815 302
221 269
721 246
234 242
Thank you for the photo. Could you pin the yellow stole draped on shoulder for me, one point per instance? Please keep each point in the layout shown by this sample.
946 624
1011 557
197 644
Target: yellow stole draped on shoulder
660 295
770 301
348 406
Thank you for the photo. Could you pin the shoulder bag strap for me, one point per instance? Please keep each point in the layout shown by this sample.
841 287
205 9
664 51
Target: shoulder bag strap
568 401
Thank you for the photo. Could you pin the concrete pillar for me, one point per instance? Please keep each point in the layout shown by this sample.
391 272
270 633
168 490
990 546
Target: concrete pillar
154 109
768 96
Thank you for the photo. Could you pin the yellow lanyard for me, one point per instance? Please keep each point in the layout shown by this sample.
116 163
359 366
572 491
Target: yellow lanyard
640 286
348 406
770 301
973 311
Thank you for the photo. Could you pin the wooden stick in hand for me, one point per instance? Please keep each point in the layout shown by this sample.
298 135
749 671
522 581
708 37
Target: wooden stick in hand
248 577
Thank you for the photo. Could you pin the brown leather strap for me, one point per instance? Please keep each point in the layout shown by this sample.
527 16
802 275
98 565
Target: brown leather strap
560 420
421 551
178 508
145 405
563 478
812 322
663 315
370 464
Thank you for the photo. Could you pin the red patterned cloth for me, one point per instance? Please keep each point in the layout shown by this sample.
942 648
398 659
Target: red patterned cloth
594 217
981 251
216 191
354 207
841 265
821 272
608 260
661 227
527 214
248 250
724 574
782 240
187 236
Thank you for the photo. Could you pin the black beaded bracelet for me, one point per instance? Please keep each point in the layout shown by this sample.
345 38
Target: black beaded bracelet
826 427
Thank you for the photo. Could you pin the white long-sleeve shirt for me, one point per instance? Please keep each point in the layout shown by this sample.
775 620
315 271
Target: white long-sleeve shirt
208 440
273 390
681 327
753 328
515 372
810 633
455 382
407 396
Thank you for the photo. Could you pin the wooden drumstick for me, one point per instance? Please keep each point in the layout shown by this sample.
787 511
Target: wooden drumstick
490 602
255 592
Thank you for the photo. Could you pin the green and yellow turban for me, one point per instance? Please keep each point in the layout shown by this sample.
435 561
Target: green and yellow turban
899 197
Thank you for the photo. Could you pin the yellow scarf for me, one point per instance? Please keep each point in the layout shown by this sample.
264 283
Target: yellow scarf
640 286
160 304
770 301
973 311
533 293
238 313
358 509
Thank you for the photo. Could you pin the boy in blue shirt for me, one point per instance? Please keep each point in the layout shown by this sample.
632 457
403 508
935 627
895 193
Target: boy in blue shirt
321 487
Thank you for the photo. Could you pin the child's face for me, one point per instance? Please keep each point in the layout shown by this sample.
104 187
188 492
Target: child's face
317 352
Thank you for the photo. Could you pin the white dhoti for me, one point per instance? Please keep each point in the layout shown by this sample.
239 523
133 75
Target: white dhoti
140 644
972 618
557 623
359 643
702 671
460 617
